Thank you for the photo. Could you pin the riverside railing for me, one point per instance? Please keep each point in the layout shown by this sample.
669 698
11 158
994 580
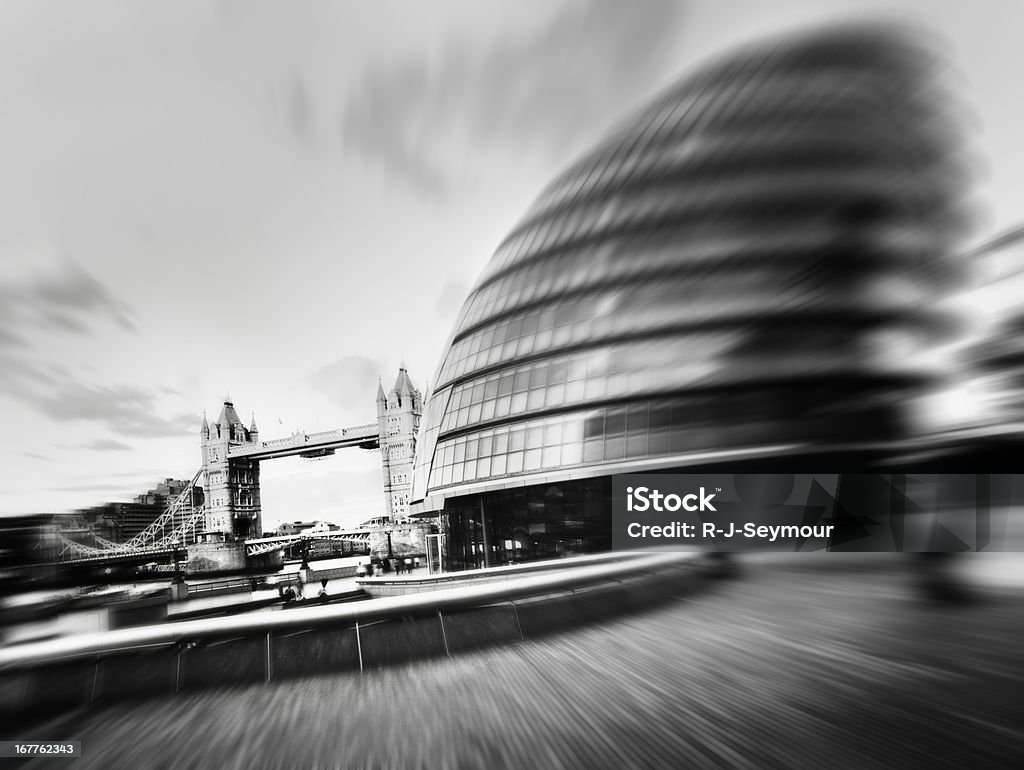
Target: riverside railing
54 675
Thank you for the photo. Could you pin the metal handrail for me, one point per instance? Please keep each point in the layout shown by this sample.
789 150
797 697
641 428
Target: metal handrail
87 646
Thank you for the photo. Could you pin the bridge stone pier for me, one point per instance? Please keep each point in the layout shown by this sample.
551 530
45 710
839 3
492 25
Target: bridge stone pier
232 454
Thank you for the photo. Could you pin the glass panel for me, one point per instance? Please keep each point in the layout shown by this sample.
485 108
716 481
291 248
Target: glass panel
572 454
534 436
636 446
636 419
658 443
515 462
533 460
487 410
519 403
615 421
536 399
572 430
614 448
551 456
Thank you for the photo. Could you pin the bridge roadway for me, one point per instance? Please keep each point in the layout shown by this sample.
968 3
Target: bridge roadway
310 444
807 663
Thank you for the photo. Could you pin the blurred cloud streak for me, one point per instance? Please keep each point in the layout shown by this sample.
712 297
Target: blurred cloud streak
46 301
540 92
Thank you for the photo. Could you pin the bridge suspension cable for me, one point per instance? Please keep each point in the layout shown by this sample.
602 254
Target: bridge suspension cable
177 524
157 533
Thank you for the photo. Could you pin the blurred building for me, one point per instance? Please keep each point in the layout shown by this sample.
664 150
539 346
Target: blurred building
379 521
121 521
295 527
744 272
27 539
995 362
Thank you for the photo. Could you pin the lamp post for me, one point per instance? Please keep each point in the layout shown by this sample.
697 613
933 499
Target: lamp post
390 552
179 591
176 545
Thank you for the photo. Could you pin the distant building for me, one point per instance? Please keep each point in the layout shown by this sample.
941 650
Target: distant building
27 539
121 521
295 527
379 521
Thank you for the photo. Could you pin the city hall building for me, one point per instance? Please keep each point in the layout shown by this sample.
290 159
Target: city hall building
741 277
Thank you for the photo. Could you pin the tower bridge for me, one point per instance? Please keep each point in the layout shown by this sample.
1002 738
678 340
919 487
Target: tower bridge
311 444
222 504
232 454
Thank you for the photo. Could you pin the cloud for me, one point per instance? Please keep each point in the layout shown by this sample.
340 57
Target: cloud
36 456
122 488
45 299
350 382
44 290
545 92
106 445
123 409
292 103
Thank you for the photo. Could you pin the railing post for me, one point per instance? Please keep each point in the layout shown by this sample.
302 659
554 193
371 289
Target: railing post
359 648
270 661
95 677
177 673
444 636
515 611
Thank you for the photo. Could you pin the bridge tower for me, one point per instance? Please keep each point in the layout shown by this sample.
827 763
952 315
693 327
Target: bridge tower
232 484
398 419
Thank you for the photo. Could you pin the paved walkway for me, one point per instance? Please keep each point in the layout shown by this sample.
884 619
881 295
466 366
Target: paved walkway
808 666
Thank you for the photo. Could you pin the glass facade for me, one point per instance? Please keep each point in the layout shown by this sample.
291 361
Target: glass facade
529 523
747 263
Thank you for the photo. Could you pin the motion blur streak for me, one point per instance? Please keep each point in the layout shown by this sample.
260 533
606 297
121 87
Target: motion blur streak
762 257
759 257
804 663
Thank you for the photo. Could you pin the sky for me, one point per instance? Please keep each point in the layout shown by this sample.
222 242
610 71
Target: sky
280 203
